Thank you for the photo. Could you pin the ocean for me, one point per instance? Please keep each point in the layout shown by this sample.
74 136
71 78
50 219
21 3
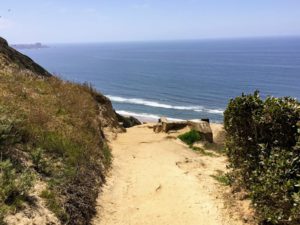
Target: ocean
178 79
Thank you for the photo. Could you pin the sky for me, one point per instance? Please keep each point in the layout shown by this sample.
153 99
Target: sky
80 21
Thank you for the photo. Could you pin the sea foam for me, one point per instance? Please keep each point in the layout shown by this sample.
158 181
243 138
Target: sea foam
138 101
145 115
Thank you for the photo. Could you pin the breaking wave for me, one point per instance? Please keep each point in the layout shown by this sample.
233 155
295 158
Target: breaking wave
138 101
145 115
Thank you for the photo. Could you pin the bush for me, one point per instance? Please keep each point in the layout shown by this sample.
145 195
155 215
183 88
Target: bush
14 187
15 181
10 130
39 162
190 137
263 152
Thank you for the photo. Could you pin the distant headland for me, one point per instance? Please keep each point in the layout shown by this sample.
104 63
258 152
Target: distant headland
37 45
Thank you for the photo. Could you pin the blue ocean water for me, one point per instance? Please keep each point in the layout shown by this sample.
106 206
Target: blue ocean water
179 79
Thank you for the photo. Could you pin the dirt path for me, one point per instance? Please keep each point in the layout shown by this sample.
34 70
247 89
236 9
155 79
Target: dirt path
158 180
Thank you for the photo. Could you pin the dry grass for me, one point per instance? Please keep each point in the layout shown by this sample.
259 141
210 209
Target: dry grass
61 119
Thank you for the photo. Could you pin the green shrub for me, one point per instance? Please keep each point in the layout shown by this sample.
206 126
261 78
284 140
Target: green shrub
190 137
240 121
10 130
263 152
39 161
14 186
14 183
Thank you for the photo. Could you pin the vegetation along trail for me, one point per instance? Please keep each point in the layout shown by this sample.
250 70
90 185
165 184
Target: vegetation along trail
156 179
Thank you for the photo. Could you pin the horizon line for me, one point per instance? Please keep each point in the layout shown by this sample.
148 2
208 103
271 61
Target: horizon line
164 40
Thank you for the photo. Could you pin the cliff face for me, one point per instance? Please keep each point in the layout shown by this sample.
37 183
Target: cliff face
52 143
10 58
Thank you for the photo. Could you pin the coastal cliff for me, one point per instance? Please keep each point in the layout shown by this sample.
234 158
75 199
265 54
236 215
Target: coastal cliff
53 144
12 59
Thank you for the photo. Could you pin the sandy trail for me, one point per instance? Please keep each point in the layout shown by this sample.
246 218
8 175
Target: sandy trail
158 180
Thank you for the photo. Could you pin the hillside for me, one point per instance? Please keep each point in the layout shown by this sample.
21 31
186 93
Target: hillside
53 144
10 59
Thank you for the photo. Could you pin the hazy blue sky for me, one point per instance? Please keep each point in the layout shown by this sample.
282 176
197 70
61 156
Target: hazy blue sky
128 20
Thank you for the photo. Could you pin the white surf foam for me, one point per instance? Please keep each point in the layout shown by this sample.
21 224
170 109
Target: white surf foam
144 115
138 101
215 111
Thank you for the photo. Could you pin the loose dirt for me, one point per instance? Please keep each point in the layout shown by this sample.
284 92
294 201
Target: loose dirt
156 179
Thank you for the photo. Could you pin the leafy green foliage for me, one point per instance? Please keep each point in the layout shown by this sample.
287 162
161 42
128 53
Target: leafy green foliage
262 144
190 137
